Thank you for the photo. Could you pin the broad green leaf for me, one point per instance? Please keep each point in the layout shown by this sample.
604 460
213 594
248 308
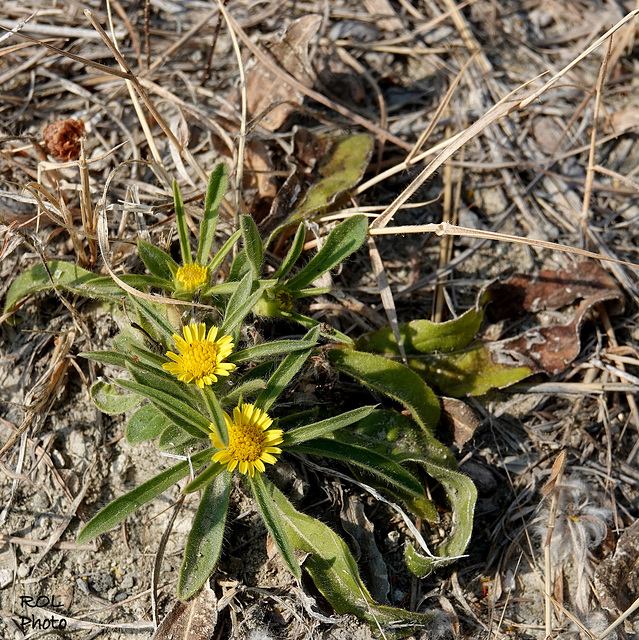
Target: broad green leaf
406 442
158 262
252 243
469 372
66 276
343 240
326 427
382 467
270 349
393 379
204 478
204 543
424 336
293 253
109 401
214 194
271 516
120 508
334 571
179 412
180 221
285 373
146 423
341 169
176 441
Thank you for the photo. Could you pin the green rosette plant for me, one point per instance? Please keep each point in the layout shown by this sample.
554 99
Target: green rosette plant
216 403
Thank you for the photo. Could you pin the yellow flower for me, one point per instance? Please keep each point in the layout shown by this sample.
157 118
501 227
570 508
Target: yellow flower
191 276
201 357
251 442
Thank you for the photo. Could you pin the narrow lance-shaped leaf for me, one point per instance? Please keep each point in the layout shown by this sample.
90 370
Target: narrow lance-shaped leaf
180 221
285 373
271 517
206 536
224 251
181 413
343 240
214 194
381 466
204 478
252 243
151 316
239 305
293 253
120 508
269 349
326 427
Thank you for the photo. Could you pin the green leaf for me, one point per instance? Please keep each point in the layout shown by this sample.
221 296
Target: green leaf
153 319
252 244
176 441
469 372
240 304
66 276
424 336
223 252
293 253
180 221
334 571
381 466
179 412
341 169
109 401
214 194
240 267
393 379
270 349
285 373
216 413
158 262
120 508
106 357
161 380
271 516
326 331
146 423
204 478
343 240
204 543
326 427
244 390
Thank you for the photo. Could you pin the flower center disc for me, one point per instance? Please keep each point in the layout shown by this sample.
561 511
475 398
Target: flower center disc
246 442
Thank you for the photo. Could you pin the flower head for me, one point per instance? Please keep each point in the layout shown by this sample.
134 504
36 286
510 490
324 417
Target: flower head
251 442
201 357
191 276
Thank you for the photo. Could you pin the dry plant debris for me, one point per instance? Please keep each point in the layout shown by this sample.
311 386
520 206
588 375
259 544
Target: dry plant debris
421 79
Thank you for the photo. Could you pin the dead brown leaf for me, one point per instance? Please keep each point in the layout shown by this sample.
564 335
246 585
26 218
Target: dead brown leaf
551 348
192 620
